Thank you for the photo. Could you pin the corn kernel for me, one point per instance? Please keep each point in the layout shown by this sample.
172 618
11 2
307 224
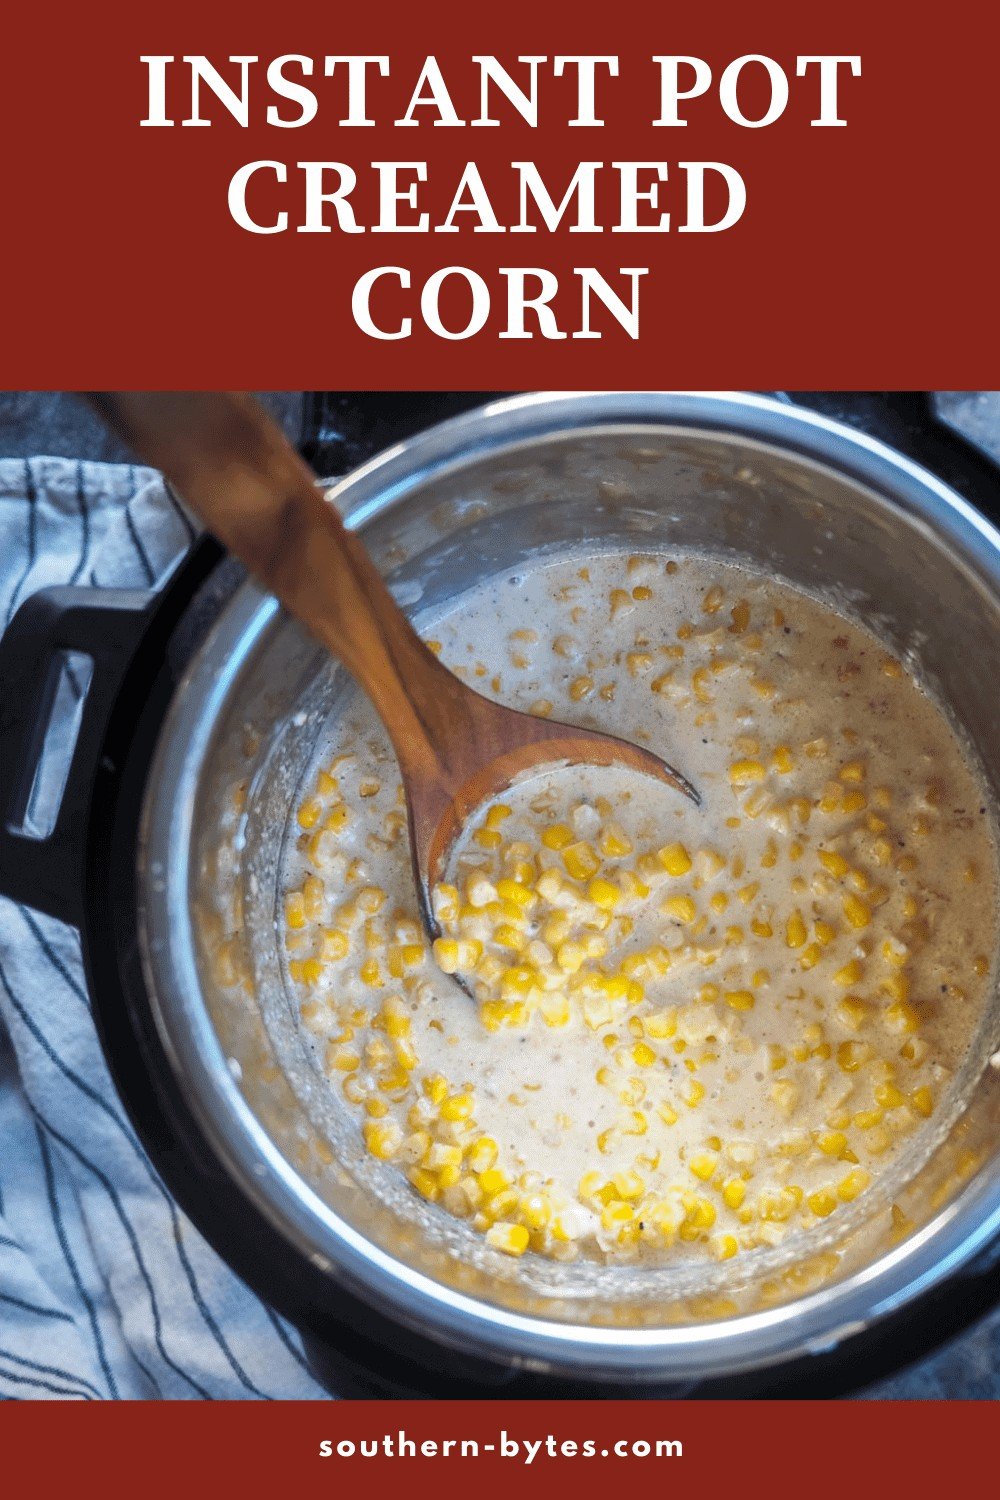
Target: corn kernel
604 893
745 772
857 912
822 1202
512 1239
382 1137
853 1185
681 908
795 930
741 1000
580 860
902 1017
734 1193
923 1101
456 1107
675 859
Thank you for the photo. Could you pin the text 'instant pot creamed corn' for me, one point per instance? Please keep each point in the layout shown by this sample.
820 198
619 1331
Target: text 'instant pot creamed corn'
696 1029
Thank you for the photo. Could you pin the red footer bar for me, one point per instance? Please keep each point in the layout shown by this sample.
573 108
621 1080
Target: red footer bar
837 1449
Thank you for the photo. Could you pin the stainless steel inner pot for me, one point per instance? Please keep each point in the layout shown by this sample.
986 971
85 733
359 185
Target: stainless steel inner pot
736 476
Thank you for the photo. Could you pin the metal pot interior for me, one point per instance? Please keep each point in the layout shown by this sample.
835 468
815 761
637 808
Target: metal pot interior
741 480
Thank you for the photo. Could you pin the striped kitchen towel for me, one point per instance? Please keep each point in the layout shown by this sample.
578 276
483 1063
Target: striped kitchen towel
106 1290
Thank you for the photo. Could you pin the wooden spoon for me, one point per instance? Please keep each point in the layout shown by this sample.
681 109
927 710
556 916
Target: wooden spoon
456 749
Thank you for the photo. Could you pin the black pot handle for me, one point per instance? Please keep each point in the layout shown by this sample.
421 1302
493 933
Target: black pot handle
105 625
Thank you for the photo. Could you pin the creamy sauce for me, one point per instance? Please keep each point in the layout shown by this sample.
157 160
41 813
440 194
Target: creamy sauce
788 990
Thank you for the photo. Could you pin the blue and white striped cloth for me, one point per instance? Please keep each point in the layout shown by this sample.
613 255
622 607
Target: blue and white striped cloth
106 1290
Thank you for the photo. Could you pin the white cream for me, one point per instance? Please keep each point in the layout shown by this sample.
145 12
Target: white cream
709 666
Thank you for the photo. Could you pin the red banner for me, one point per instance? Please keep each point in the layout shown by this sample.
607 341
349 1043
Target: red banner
496 1448
864 255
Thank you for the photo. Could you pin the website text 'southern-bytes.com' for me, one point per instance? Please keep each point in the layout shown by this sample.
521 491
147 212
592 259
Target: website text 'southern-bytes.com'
525 1450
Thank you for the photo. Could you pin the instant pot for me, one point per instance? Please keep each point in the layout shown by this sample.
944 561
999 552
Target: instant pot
206 685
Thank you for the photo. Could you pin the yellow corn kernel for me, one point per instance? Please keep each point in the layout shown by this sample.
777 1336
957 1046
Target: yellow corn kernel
580 688
628 1185
512 1239
661 1025
681 908
309 813
740 999
782 760
853 772
555 1010
745 772
295 909
497 816
341 1059
643 1056
425 1183
734 1193
851 1055
337 819
436 1088
795 930
896 986
446 954
501 1204
457 1107
703 1164
604 893
535 1211
853 1012
516 895
442 1155
822 1202
383 1138
675 859
695 1094
483 1155
857 912
403 956
507 936
700 680
740 615
834 862
889 1096
615 842
832 1142
493 1181
923 1101
488 838
853 1185
902 1017
810 956
580 860
849 974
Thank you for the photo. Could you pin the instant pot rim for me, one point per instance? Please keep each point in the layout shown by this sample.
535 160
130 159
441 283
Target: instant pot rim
449 1316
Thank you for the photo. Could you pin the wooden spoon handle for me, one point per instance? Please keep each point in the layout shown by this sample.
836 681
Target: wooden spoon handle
236 470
